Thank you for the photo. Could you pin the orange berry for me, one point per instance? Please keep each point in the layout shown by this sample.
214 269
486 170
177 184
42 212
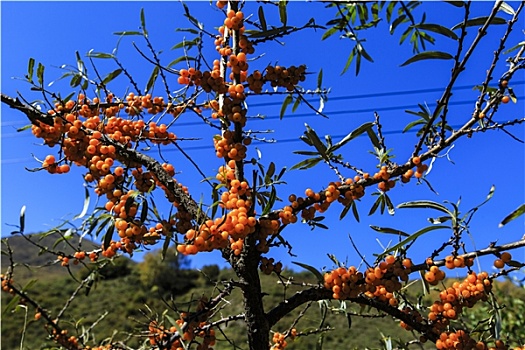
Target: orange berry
505 99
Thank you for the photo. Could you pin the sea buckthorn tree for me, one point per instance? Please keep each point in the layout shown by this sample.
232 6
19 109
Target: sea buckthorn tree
245 213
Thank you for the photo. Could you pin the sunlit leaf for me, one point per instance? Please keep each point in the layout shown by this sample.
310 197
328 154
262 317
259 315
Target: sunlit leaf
515 214
352 135
288 99
282 11
505 7
389 230
111 76
30 69
128 33
425 204
152 79
428 55
312 269
143 21
410 239
436 28
86 205
479 21
307 163
22 218
40 74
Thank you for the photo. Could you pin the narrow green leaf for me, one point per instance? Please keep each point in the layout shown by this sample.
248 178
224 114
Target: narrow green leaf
389 231
389 205
102 225
306 153
179 59
75 81
22 218
152 79
515 214
320 79
363 53
143 22
397 21
316 141
307 163
515 47
86 205
436 28
282 11
312 269
425 204
144 212
352 135
349 60
329 33
286 102
12 304
479 21
410 239
376 204
111 76
428 55
296 104
99 54
354 211
215 199
345 211
389 10
373 137
24 128
271 201
456 3
30 69
40 74
269 173
128 33
165 247
262 19
109 235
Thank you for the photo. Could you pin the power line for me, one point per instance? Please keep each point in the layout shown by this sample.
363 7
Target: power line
337 98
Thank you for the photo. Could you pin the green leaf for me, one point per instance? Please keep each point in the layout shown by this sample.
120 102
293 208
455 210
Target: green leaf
282 11
165 247
397 21
262 19
428 55
30 69
515 47
143 22
312 269
307 163
456 3
389 205
179 59
479 21
320 79
410 239
111 76
389 231
24 128
329 33
306 153
22 218
75 81
380 199
345 211
349 60
436 28
144 211
363 53
152 79
352 135
373 137
296 104
316 141
425 204
109 235
99 54
515 214
86 205
128 33
40 74
286 102
271 201
354 211
269 173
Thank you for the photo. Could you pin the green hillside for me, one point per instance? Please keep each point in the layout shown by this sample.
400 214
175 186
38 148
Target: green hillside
128 301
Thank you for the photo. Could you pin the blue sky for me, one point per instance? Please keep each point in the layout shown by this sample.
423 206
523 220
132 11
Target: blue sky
50 32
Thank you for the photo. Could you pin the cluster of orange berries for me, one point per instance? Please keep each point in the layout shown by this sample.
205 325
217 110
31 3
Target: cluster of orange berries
234 20
285 77
460 339
287 216
458 296
279 341
226 147
452 262
52 167
504 258
237 63
62 338
212 81
434 275
384 176
267 228
377 282
420 170
6 284
267 266
136 104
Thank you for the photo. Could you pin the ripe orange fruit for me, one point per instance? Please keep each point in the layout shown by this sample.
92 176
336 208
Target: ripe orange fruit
505 99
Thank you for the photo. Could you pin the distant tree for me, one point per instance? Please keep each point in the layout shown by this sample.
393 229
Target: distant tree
170 274
245 213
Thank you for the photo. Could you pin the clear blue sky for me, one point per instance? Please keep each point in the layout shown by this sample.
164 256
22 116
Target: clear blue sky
50 32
